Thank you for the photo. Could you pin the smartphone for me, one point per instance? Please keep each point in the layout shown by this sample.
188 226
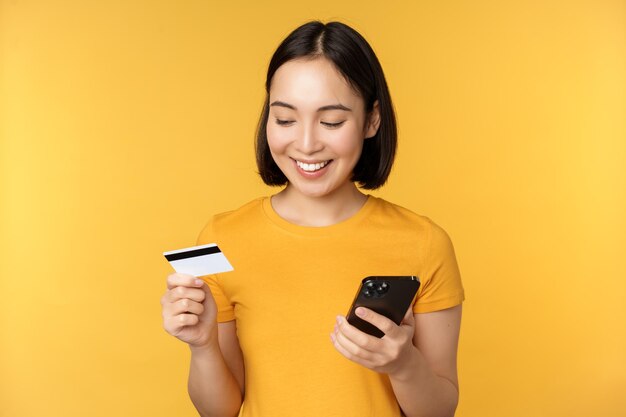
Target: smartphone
390 296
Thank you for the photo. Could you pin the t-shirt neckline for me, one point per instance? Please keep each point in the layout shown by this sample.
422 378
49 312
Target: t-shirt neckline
343 225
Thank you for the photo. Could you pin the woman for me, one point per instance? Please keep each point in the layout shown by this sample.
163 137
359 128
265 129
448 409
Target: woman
259 336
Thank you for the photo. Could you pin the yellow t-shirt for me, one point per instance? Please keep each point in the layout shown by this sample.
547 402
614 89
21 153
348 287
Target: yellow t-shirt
290 282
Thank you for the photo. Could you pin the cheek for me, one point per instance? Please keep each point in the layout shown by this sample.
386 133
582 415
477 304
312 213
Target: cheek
348 142
277 137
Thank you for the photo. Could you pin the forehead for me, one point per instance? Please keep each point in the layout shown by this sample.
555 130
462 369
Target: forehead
312 83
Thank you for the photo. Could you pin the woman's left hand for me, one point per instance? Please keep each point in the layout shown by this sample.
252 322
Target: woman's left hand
385 355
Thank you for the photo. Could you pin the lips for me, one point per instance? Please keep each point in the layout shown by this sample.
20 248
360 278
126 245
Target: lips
312 169
313 166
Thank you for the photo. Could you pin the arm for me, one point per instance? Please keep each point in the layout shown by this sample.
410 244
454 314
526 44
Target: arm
428 384
419 356
217 372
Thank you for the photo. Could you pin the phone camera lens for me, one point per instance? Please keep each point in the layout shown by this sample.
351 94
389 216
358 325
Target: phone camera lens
382 288
367 293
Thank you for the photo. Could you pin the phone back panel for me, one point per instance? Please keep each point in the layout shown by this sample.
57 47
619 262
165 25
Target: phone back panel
390 296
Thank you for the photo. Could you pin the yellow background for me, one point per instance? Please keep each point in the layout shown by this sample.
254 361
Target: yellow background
126 124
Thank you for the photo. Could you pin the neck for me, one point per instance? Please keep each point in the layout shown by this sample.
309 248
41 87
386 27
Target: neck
318 211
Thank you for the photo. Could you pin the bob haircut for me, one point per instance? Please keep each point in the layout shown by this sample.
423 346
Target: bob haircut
354 58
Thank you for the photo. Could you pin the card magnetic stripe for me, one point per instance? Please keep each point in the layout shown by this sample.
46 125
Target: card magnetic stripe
192 253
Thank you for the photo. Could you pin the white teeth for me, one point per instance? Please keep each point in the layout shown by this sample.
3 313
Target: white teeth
312 167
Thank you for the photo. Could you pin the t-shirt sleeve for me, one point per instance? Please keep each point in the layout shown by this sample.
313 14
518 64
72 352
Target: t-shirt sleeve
225 310
441 285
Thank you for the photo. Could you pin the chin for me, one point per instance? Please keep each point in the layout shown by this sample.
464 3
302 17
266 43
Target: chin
312 191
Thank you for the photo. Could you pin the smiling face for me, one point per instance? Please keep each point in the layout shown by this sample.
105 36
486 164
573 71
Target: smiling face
316 126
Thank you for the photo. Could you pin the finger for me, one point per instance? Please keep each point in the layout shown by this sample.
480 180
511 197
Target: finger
186 306
178 293
347 354
184 280
351 347
175 324
356 336
383 323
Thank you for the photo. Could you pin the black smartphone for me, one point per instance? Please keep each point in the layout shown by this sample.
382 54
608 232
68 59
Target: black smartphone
390 296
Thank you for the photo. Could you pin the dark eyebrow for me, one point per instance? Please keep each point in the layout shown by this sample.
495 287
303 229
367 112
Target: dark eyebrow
323 108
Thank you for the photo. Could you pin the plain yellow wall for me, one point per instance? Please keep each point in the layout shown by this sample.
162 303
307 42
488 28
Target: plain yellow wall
126 124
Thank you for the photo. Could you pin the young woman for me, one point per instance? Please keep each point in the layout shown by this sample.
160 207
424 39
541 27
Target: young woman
259 336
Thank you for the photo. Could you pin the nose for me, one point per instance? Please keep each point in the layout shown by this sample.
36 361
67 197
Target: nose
308 142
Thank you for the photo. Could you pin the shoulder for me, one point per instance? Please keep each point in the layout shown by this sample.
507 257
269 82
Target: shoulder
394 214
241 218
244 213
408 226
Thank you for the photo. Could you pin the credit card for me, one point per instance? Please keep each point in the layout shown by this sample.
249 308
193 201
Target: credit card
198 260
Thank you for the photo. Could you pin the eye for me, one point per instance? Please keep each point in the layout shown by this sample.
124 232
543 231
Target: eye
283 122
333 125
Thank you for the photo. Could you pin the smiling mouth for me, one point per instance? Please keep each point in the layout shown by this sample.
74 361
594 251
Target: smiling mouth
312 167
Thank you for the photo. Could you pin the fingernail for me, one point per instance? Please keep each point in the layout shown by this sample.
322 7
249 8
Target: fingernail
338 319
199 282
360 312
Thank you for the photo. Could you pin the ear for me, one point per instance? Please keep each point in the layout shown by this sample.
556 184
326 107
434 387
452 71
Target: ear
373 121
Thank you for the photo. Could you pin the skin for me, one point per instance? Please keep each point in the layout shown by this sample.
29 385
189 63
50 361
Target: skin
302 127
216 371
419 355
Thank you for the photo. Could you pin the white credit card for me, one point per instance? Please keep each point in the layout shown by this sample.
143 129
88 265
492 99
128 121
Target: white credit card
198 260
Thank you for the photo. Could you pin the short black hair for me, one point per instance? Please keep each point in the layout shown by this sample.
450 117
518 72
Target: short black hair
356 61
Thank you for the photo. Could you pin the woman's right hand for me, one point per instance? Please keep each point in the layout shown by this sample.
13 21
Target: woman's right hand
189 310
